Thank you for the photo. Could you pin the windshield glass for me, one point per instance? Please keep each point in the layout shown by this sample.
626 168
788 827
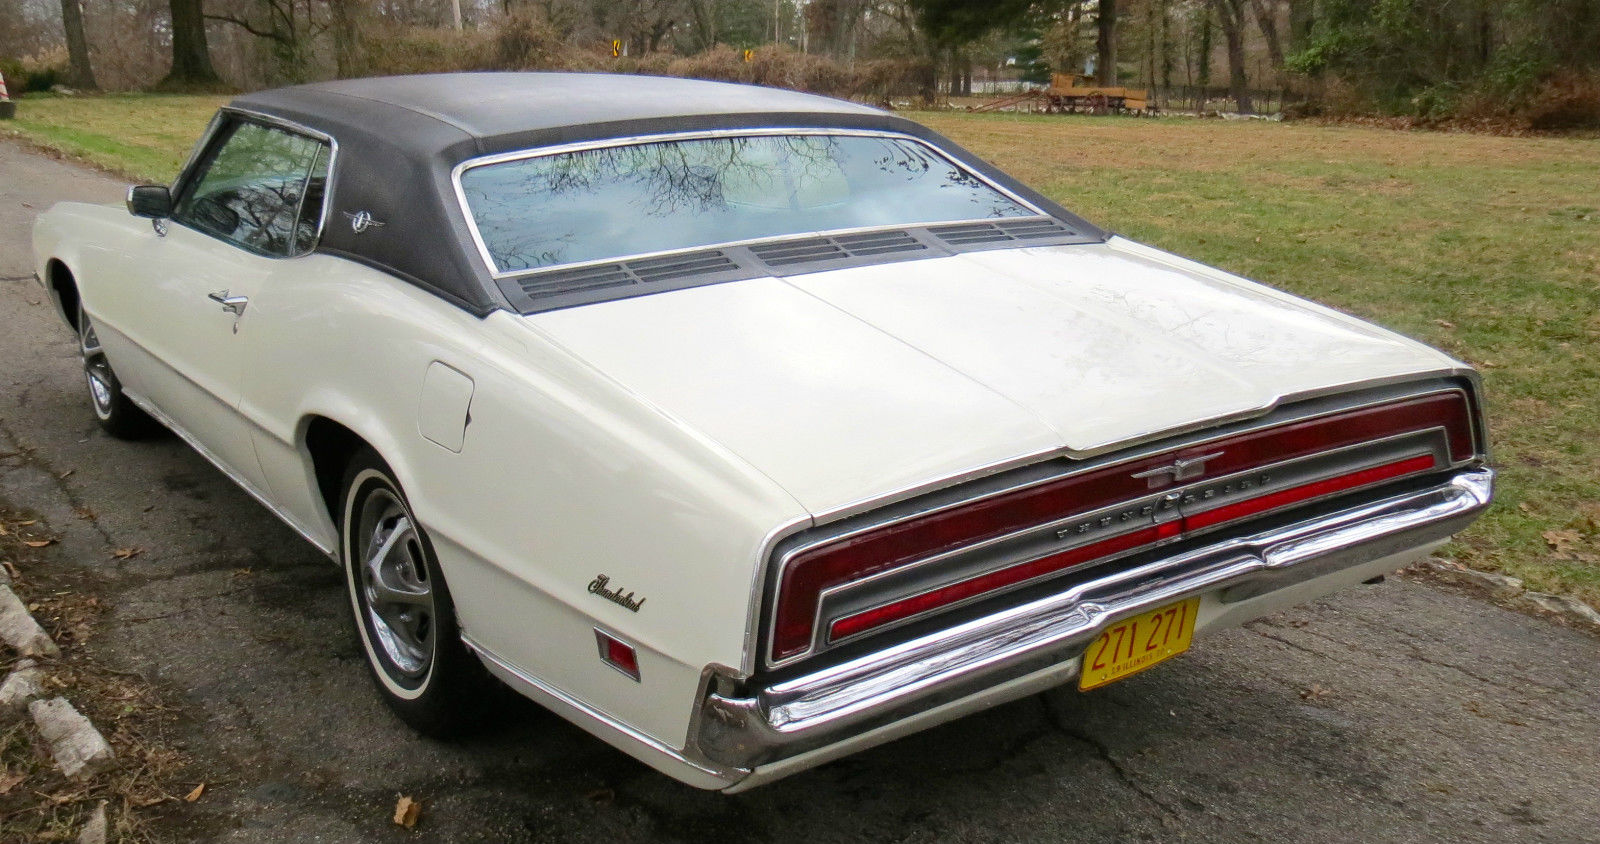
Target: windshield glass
655 197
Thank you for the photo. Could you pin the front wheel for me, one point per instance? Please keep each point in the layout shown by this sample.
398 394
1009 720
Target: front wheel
402 609
116 413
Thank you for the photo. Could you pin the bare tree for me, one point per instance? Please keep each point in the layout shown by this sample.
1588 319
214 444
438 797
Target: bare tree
343 15
1231 15
191 57
1106 43
1267 21
81 75
1302 18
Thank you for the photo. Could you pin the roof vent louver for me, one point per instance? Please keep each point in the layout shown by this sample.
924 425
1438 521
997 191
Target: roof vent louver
576 280
680 266
842 247
1001 231
798 252
645 271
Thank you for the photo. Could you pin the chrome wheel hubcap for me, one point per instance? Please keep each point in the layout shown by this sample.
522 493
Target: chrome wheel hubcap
393 579
95 369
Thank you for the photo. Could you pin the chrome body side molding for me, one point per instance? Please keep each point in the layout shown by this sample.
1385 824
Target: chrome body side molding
188 438
656 754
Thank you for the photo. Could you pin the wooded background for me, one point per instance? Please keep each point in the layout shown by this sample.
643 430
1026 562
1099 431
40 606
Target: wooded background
1535 60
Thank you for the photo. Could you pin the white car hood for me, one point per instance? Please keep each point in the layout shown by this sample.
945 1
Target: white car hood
849 385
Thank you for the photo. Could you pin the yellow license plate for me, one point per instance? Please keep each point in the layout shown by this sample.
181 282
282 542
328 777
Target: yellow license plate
1134 644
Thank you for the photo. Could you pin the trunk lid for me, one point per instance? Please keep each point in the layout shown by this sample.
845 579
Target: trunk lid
850 385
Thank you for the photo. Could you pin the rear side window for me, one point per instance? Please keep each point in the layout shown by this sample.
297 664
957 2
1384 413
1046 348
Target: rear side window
259 187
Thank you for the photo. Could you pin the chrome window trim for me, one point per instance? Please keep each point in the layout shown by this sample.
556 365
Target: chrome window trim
759 132
773 572
819 633
218 120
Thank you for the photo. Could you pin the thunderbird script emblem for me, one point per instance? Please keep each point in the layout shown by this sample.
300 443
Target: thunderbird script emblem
601 586
1181 469
360 221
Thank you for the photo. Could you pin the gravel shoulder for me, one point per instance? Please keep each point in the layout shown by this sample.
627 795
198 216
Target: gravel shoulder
1398 712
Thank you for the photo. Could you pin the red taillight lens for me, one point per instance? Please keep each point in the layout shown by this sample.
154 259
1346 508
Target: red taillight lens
1306 492
618 654
879 616
850 559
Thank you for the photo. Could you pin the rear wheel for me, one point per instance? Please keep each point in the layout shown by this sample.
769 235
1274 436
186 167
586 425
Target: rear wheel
402 609
115 412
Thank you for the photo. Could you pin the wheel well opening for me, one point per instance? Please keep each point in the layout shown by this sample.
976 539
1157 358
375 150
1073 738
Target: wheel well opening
331 446
66 290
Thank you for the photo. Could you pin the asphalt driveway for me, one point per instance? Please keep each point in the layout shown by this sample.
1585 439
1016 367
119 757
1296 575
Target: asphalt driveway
1396 712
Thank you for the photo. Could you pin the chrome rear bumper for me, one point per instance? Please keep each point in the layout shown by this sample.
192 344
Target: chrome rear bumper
841 702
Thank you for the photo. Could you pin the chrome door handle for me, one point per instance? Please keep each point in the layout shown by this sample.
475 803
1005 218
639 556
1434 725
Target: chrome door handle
232 304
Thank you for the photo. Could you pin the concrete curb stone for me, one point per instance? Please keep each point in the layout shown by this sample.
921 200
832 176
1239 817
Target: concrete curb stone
94 832
77 747
1510 589
23 684
19 630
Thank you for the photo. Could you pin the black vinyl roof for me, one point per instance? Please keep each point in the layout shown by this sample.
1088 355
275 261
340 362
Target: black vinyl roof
400 137
485 105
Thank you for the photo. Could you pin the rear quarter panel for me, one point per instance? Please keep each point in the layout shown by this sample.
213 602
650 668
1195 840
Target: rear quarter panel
561 477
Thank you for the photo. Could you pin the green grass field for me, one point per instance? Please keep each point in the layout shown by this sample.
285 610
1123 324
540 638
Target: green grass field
1485 246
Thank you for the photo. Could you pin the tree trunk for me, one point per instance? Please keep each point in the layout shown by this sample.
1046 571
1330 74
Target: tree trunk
1167 59
1265 11
1105 70
1302 18
1485 35
1231 15
81 75
1204 65
346 40
191 57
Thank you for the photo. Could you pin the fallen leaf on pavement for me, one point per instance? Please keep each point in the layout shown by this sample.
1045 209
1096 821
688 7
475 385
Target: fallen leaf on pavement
63 475
1314 693
38 543
9 781
407 811
127 553
195 795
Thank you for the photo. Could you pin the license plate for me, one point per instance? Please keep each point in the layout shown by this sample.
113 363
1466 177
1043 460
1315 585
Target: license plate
1134 644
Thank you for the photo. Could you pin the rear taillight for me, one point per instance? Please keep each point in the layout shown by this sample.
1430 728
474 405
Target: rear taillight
812 572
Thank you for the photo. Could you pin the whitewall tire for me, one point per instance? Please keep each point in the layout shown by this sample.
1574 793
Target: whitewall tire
401 606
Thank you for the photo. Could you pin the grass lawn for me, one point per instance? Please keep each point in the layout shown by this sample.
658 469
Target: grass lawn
1487 247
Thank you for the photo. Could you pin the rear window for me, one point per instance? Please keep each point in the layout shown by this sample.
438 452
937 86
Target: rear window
622 201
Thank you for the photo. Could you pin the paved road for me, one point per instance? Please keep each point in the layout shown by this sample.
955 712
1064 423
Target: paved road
1436 717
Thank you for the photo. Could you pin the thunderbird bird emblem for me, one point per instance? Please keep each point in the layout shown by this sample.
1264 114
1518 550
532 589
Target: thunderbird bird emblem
360 221
1181 469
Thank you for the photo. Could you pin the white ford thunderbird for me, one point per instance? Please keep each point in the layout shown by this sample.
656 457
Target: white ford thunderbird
744 428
